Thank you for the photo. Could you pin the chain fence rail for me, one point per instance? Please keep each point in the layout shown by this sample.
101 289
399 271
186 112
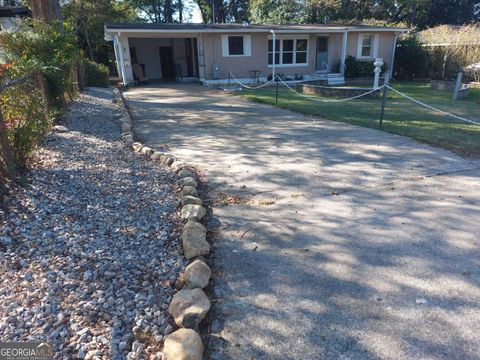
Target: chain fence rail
410 109
276 80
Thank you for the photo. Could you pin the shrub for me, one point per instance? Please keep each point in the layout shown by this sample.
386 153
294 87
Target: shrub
25 115
411 59
35 46
41 58
463 43
360 68
95 74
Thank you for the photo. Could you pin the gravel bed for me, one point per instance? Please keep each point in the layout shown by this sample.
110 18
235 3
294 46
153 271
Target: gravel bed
88 249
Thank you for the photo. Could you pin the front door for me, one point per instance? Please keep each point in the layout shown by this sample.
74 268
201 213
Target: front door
322 54
166 62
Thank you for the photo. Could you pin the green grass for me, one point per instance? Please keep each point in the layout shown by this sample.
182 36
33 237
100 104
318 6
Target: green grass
402 116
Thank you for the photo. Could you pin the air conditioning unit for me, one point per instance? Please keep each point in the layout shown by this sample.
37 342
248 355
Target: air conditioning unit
216 71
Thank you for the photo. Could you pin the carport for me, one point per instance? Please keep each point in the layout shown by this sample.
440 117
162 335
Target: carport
161 55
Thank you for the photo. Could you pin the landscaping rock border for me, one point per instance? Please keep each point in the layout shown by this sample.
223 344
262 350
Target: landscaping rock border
189 305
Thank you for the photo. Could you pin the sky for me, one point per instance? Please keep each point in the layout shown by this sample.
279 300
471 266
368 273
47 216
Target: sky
196 16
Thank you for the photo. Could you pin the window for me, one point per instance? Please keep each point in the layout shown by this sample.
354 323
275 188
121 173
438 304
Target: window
367 46
288 52
301 53
366 50
236 45
270 51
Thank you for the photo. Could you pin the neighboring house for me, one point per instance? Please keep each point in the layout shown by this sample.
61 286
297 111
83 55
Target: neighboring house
10 12
209 52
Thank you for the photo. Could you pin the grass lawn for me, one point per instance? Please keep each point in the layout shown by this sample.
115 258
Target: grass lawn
402 116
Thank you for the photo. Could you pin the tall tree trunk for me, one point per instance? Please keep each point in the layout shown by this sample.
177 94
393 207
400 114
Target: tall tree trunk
413 14
46 10
168 11
180 11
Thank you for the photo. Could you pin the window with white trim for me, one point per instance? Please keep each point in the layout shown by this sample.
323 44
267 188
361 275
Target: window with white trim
236 45
288 51
367 47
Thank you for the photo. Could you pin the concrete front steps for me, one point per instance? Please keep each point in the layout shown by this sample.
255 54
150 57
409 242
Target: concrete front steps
328 78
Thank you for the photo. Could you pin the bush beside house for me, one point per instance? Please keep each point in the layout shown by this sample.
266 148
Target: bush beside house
360 68
437 53
95 74
36 83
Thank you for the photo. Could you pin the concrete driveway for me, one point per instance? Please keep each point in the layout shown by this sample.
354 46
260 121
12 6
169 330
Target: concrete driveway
335 241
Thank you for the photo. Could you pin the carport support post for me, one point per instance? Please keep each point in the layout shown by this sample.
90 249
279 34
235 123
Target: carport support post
384 100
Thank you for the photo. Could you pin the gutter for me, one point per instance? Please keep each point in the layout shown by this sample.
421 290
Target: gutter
247 30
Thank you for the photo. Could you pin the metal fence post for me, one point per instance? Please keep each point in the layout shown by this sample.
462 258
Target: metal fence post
382 111
229 79
458 86
276 89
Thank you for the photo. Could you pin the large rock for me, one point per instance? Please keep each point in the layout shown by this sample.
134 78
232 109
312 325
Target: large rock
126 127
193 211
194 240
189 307
191 200
137 146
146 150
169 160
183 344
156 155
177 165
186 173
188 181
197 275
189 190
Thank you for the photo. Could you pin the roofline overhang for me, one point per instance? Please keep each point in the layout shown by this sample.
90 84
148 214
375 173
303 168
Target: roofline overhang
247 30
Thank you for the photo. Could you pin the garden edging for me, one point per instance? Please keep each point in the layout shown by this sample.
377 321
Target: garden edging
189 305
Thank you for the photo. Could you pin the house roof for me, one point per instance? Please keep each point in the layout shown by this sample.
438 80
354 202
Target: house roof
14 11
234 27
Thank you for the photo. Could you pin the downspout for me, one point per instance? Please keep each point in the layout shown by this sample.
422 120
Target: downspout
393 54
274 54
343 57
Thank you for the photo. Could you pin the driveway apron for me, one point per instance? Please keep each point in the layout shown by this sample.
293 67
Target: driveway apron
332 241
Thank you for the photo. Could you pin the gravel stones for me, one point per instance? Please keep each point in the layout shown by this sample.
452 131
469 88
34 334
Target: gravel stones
88 247
189 307
197 275
183 344
194 240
